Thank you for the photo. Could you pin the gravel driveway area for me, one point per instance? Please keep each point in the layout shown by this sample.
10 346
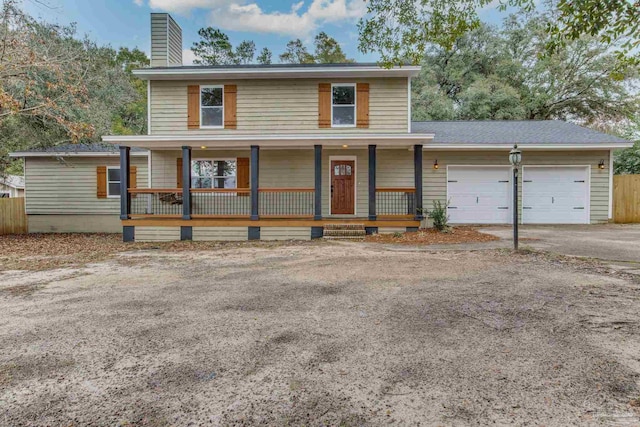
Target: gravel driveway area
321 333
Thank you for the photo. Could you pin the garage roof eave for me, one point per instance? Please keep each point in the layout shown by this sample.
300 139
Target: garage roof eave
549 147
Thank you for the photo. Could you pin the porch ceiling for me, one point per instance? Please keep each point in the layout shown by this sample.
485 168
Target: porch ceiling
270 141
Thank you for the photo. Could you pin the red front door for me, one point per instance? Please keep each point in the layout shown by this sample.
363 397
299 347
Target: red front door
343 174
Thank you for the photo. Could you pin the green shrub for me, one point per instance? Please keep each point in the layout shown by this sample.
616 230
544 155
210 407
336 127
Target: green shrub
397 234
439 216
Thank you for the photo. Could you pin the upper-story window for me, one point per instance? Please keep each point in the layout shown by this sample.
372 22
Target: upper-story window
343 105
211 106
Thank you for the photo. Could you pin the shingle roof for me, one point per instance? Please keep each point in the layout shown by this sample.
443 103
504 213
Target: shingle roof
15 181
266 66
512 132
80 148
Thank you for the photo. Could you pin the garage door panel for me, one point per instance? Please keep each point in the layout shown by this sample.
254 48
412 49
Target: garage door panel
555 195
479 195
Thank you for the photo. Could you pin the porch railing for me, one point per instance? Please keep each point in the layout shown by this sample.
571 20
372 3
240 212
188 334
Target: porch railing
156 201
396 202
222 202
286 202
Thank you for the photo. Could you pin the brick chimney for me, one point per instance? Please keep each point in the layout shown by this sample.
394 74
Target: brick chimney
166 41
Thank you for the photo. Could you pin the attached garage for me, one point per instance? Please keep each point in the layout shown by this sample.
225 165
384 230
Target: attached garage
555 194
479 194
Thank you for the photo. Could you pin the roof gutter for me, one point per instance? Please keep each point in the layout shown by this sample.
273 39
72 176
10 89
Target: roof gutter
524 146
271 73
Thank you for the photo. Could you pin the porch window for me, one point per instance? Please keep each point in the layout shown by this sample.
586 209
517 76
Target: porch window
213 173
343 105
113 182
211 106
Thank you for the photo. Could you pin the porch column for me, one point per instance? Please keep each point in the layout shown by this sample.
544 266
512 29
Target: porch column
372 183
186 182
255 180
417 168
317 151
125 170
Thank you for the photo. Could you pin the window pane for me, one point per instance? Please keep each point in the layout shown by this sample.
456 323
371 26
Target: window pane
114 174
211 116
114 188
212 97
348 170
202 168
344 115
228 182
344 95
224 168
336 170
201 182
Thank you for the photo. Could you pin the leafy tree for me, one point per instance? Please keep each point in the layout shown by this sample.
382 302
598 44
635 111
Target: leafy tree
492 73
296 53
214 48
402 31
264 57
627 161
328 50
245 52
54 88
132 117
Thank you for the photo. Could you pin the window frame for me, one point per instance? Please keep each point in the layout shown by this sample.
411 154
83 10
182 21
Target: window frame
215 159
3 192
109 195
202 108
355 104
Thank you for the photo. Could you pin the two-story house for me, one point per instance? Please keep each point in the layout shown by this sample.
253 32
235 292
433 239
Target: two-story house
284 151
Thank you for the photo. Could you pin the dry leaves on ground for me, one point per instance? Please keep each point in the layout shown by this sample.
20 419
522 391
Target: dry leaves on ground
432 236
46 251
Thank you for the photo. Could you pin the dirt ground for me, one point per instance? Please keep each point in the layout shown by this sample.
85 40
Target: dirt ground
320 334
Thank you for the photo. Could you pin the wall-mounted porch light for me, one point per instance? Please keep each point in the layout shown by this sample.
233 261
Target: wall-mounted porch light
435 164
345 146
601 164
204 147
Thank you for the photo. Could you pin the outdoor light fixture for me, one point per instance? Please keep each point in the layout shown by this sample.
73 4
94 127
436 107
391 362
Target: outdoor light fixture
435 164
204 147
601 164
515 158
345 146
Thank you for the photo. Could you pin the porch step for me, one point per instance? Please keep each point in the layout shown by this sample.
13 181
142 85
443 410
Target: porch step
344 232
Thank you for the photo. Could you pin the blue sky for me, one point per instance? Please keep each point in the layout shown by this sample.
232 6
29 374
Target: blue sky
269 23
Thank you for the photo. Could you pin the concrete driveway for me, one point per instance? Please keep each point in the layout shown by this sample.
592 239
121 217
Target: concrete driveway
608 242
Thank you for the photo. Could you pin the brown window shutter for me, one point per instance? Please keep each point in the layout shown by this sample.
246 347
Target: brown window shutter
179 172
133 178
193 107
324 105
101 175
242 174
230 106
362 101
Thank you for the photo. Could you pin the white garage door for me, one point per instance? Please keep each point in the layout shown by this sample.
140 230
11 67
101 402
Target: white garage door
479 195
555 195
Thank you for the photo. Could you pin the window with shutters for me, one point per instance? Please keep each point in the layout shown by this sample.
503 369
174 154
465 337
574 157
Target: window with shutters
213 173
211 107
343 105
113 182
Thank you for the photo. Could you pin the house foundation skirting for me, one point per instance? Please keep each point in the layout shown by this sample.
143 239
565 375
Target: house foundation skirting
158 230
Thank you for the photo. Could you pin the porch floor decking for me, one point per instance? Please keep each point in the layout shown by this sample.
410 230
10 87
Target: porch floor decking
266 222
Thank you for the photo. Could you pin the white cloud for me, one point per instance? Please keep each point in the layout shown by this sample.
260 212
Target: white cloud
241 15
139 2
188 57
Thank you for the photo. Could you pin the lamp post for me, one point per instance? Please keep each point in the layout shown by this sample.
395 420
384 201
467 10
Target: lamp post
515 158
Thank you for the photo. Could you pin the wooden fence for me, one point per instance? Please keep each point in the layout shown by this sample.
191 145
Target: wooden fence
13 219
626 198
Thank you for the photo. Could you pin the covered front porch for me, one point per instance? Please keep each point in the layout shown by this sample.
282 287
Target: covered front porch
296 191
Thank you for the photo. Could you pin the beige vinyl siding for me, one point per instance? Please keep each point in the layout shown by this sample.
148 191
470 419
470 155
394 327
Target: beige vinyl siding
435 181
166 41
285 233
71 223
156 234
203 234
282 106
68 186
175 42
